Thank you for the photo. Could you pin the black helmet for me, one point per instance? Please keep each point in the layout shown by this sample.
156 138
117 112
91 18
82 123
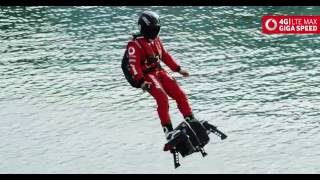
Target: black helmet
149 24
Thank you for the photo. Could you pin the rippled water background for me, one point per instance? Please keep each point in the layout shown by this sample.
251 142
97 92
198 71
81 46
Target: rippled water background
66 108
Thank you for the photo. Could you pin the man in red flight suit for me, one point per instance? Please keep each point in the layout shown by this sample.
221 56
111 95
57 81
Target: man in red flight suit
145 52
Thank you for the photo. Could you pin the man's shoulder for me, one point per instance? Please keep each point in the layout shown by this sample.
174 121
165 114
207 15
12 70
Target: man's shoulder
135 38
138 37
134 42
158 39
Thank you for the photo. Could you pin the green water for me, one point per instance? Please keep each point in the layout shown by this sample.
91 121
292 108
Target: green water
66 108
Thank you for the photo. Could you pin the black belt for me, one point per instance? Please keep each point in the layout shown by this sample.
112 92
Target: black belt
151 69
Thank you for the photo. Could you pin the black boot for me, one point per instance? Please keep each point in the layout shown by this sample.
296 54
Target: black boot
168 129
190 118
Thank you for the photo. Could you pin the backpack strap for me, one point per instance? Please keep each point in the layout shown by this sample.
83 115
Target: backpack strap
137 43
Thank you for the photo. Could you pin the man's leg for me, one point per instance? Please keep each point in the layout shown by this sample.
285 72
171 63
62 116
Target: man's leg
175 92
161 98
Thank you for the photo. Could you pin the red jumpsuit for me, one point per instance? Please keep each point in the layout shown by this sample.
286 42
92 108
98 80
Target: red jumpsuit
144 60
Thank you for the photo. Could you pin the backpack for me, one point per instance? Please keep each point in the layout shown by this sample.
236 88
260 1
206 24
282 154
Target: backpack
125 66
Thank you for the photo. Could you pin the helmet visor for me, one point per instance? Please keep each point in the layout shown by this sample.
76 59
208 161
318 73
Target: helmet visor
153 32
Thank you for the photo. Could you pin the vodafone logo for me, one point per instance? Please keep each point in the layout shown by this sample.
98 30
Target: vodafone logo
271 24
131 51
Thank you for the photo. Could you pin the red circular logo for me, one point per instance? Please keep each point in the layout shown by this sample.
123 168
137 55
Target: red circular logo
271 24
